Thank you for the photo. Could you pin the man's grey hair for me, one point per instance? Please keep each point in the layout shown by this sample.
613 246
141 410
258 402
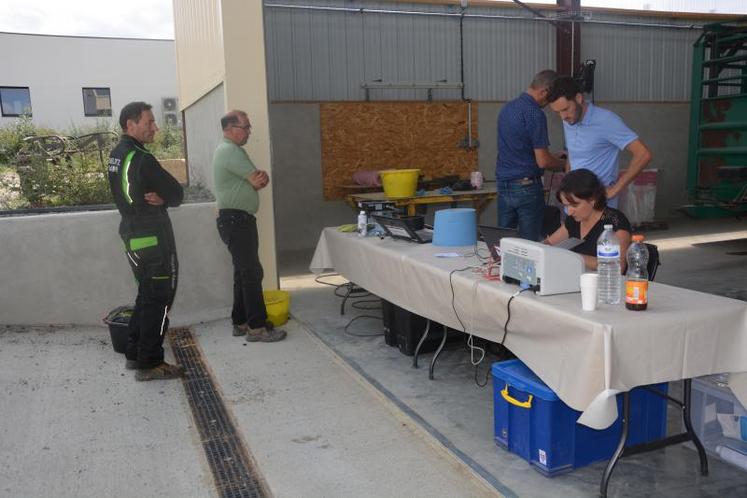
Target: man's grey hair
231 118
543 79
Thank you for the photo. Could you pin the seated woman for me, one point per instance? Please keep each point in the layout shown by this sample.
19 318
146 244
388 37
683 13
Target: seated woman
585 201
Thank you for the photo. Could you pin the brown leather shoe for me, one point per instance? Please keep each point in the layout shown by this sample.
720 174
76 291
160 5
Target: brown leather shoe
239 330
162 371
265 334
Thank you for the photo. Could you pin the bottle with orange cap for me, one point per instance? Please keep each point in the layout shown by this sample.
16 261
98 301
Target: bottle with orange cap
636 279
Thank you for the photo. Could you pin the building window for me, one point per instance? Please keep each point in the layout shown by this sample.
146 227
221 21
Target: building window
97 102
15 100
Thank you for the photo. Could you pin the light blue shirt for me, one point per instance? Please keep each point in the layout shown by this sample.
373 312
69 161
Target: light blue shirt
595 143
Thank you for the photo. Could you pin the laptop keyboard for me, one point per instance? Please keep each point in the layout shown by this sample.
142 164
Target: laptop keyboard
425 234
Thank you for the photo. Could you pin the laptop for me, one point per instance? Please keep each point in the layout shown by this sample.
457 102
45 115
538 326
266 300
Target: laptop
398 229
492 237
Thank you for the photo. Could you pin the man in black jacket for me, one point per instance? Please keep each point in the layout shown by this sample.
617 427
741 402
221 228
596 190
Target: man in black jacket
142 191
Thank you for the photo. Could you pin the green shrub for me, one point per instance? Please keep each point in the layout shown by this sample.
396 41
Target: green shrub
12 138
167 144
75 181
64 171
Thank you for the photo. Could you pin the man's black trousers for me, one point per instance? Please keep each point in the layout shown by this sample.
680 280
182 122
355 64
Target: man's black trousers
151 252
238 230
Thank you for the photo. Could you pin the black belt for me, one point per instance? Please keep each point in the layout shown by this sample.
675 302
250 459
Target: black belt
235 212
526 180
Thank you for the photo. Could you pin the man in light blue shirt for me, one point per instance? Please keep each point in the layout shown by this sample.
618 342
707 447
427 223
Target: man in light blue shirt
594 138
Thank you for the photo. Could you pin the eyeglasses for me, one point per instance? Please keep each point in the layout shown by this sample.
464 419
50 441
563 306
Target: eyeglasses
245 128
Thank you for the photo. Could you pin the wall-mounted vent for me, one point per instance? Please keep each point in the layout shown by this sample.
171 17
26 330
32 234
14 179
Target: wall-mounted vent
171 118
169 104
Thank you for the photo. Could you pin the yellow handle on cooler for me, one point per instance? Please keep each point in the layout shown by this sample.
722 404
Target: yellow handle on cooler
514 401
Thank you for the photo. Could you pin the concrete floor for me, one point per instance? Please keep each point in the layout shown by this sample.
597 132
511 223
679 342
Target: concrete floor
458 413
323 413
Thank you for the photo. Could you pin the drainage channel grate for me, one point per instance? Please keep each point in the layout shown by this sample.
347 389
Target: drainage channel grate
233 470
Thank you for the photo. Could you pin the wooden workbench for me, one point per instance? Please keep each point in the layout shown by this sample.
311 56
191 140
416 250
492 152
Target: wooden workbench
478 198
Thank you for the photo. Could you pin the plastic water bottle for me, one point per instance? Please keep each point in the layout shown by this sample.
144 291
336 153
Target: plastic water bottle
636 280
362 224
608 267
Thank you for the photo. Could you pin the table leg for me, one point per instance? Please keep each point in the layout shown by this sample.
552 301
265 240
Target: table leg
620 446
349 289
481 204
438 352
683 437
411 209
689 426
420 343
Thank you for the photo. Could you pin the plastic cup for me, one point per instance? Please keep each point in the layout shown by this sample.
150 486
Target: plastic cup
588 284
476 179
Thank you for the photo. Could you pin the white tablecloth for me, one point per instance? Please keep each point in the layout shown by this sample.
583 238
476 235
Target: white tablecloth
585 357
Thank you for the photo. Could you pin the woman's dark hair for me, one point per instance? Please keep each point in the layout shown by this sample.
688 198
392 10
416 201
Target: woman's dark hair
583 184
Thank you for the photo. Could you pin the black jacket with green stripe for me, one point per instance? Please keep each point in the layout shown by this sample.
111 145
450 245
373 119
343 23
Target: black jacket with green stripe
133 172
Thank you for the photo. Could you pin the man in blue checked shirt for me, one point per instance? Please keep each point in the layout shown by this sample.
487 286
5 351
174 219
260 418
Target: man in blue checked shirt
522 156
595 136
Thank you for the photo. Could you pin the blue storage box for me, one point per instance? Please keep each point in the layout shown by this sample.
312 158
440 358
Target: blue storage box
532 422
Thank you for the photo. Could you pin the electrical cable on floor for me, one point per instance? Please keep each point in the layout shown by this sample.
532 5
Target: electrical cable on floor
319 277
362 335
354 292
357 305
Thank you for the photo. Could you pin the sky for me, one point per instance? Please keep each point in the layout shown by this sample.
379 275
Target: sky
154 19
112 18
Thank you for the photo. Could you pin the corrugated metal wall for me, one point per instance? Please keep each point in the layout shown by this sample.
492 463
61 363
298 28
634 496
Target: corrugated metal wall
639 64
199 48
326 55
502 55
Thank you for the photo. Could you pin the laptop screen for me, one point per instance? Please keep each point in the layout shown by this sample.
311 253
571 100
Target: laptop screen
492 237
399 229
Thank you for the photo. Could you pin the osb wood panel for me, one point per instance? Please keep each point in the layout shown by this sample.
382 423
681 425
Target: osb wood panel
177 168
394 135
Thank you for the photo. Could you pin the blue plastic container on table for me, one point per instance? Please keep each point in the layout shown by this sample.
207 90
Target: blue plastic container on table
532 422
455 227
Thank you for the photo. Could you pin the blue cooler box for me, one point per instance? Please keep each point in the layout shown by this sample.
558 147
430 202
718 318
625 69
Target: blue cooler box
532 422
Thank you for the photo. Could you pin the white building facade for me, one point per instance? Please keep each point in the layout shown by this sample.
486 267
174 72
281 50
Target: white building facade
68 81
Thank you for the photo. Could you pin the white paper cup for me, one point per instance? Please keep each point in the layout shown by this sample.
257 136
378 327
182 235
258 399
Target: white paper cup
589 286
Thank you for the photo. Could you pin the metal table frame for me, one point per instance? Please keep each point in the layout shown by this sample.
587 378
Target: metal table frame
621 451
683 437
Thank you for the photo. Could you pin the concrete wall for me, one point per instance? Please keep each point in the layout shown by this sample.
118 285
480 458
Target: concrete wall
70 268
56 68
202 127
300 209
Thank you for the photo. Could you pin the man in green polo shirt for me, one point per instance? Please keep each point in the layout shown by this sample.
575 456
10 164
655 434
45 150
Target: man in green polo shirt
237 181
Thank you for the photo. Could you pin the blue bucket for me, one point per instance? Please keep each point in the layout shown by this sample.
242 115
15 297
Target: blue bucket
455 227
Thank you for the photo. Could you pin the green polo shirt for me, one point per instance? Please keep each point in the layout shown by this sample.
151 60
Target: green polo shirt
231 166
